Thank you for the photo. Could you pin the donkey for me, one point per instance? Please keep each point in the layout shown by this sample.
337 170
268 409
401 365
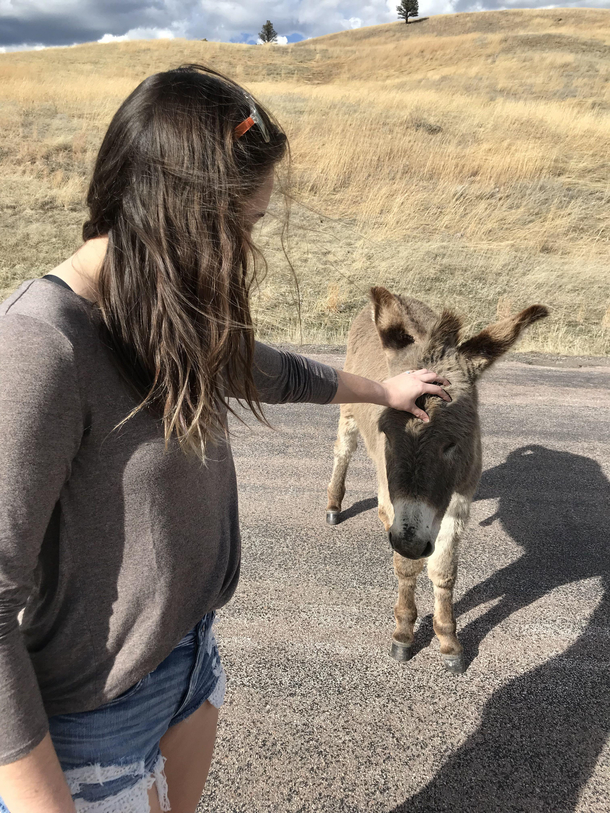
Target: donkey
427 473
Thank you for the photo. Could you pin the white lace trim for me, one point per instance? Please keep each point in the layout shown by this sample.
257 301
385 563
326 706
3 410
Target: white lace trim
99 774
218 692
130 800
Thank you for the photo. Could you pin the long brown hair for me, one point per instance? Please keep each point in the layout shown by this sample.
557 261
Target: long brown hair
168 188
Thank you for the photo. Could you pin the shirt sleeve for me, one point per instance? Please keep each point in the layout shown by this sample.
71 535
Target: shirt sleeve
41 426
282 377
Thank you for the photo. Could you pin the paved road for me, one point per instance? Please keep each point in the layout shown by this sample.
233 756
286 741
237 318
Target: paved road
319 718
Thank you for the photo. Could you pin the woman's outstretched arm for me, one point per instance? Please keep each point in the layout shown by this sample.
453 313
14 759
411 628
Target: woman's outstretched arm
282 377
399 392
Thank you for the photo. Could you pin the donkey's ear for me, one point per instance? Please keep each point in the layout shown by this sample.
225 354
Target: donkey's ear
492 342
389 318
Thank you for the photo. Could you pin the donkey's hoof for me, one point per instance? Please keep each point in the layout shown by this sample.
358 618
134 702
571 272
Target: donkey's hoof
401 652
332 517
455 664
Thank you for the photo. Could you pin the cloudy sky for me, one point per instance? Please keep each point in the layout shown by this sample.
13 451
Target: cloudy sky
27 23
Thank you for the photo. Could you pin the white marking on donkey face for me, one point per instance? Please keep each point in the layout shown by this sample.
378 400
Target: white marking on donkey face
429 523
422 519
421 530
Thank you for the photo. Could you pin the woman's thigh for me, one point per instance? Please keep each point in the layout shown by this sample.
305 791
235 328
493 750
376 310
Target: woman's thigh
187 748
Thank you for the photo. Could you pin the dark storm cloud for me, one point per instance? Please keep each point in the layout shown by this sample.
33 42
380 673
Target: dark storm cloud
63 22
46 30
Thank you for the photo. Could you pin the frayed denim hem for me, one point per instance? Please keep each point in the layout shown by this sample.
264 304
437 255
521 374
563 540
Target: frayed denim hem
133 799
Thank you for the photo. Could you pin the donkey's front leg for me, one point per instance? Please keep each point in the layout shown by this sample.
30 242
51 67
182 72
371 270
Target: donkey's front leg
405 611
345 446
442 570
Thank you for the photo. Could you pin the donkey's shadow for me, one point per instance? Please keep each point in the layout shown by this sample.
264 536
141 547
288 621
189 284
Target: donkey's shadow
542 733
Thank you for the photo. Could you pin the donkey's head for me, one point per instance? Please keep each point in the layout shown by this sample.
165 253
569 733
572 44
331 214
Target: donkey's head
427 463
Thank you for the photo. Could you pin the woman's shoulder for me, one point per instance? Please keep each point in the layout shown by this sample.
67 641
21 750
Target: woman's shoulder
55 309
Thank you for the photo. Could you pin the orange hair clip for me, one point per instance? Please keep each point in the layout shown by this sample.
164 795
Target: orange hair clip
253 118
243 127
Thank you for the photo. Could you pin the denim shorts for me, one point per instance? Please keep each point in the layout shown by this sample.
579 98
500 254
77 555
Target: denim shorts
111 756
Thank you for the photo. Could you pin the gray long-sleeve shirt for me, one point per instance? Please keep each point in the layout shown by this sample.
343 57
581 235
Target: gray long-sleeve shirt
114 547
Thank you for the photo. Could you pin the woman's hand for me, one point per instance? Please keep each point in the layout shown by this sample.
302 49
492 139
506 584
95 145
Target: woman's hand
399 392
404 389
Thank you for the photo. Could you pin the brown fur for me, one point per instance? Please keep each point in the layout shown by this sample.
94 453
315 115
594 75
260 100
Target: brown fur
427 473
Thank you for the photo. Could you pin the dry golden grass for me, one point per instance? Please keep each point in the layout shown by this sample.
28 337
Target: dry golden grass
462 159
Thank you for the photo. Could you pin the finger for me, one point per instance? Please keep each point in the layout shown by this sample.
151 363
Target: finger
429 376
433 390
417 373
419 413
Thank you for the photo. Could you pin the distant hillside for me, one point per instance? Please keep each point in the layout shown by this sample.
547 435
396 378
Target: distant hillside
567 31
566 21
462 158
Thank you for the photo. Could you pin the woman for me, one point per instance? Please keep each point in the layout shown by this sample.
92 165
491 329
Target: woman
118 510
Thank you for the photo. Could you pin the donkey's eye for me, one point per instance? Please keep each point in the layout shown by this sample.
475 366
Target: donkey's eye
449 448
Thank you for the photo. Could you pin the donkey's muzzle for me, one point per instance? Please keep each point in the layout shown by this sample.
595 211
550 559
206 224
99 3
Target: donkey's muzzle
410 548
414 529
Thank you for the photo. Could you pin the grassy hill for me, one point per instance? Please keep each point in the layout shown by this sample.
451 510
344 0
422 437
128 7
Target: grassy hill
461 158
